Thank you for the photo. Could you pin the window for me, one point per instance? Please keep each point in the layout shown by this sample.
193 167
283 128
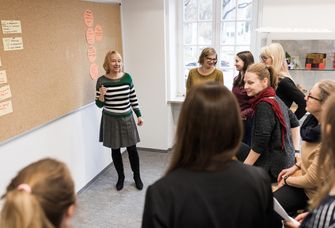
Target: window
225 25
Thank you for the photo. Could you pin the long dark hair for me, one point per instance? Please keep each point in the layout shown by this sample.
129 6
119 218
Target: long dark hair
209 129
248 59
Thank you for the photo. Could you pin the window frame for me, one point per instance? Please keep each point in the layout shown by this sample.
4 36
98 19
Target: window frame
216 26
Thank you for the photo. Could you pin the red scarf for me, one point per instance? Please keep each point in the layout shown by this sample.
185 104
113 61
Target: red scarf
268 96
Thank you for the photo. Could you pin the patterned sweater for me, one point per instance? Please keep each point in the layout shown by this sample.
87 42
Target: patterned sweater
120 98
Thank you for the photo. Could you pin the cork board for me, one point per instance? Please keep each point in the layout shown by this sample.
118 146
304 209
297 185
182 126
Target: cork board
50 76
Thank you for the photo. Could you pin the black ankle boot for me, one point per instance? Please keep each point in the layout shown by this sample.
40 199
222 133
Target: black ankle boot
119 184
138 182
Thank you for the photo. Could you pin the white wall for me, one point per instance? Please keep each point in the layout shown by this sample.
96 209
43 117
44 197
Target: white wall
72 139
145 59
299 13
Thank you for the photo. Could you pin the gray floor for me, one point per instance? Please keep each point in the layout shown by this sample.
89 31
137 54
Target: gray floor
101 206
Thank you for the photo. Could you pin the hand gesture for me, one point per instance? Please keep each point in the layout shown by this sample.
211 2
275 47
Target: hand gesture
103 92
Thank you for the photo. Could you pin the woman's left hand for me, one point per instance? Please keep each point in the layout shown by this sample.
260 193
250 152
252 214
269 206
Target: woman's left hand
139 121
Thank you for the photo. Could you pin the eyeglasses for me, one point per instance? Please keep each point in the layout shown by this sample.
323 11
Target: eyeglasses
309 96
211 59
263 57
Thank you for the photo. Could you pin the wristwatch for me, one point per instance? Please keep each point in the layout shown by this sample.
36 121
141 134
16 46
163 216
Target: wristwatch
285 177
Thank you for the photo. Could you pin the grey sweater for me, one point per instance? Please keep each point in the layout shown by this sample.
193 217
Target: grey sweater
266 138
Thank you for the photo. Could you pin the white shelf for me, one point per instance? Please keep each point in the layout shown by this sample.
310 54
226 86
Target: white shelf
300 36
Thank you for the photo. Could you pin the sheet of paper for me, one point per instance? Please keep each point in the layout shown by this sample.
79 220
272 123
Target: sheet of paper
94 71
88 18
6 107
91 53
280 210
90 36
3 77
5 92
11 26
12 43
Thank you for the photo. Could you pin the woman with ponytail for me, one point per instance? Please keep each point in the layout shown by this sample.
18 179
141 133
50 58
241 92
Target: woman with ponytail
42 195
271 137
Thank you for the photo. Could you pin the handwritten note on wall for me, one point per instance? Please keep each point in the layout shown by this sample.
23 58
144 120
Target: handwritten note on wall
6 107
12 43
3 77
11 26
5 92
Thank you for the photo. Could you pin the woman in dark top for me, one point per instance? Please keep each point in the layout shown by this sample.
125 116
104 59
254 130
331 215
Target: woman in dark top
274 55
204 185
271 146
323 202
242 60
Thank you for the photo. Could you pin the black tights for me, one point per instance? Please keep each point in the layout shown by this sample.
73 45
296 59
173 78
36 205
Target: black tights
133 159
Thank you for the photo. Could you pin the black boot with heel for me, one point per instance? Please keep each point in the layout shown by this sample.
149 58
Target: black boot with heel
118 164
135 166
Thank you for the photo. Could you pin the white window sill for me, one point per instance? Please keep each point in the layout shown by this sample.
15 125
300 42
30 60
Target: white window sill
176 100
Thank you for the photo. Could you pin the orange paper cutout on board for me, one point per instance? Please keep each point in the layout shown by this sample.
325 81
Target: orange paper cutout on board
88 18
90 36
98 32
91 53
94 71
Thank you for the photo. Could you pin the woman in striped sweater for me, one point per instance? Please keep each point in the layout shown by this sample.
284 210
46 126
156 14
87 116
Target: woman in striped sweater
115 93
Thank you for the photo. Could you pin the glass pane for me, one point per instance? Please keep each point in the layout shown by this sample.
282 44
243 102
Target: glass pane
227 58
243 48
190 57
243 32
228 10
190 33
205 10
190 10
229 78
244 9
205 33
227 35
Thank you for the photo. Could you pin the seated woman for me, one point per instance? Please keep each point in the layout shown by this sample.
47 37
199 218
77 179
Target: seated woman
204 186
271 140
41 195
295 190
323 201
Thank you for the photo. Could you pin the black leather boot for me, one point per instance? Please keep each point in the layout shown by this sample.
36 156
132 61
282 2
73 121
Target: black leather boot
138 181
118 164
120 182
135 166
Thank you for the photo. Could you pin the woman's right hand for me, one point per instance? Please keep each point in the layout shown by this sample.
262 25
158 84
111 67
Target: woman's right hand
299 218
103 92
286 172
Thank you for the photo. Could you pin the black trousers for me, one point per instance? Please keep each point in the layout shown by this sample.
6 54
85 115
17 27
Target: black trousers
291 198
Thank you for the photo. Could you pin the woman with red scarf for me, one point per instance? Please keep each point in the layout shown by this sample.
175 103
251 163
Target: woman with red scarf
271 137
